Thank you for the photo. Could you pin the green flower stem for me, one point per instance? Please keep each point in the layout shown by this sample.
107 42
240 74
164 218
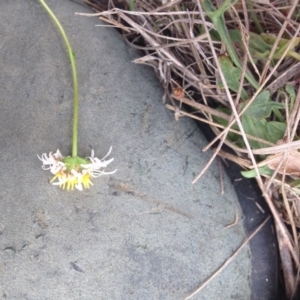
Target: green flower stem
74 76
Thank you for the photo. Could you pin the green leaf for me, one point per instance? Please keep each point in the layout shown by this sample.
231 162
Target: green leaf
256 128
232 75
258 48
269 131
275 131
291 91
278 115
262 106
281 46
131 5
265 170
295 183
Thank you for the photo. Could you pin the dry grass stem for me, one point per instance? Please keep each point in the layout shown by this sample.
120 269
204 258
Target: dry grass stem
236 219
228 261
221 176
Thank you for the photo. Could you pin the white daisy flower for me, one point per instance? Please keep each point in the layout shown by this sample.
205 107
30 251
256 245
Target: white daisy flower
75 172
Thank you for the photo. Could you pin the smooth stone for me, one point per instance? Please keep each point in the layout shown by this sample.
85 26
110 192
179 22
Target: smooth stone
143 233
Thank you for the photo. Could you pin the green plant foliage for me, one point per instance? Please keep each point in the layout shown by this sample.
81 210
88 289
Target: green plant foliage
254 121
258 48
275 131
295 183
260 45
232 75
291 92
282 45
262 106
265 170
256 128
131 5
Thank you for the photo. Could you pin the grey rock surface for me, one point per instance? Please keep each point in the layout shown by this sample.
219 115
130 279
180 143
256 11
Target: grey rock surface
143 233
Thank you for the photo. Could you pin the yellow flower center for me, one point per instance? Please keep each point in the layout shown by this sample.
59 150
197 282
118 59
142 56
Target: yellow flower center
69 181
86 181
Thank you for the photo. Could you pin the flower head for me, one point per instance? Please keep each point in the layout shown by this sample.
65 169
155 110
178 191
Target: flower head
74 172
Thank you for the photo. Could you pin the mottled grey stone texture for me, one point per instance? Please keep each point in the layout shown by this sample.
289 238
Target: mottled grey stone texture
143 233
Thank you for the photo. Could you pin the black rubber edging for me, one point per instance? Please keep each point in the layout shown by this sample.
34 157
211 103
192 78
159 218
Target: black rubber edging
266 277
